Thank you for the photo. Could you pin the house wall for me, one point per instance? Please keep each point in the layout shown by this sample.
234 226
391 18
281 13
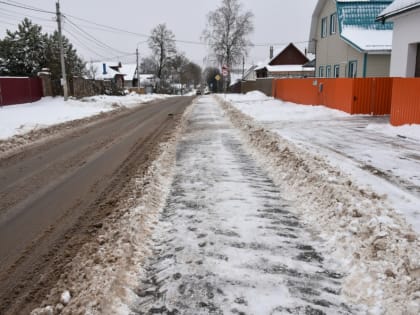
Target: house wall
404 48
378 65
332 50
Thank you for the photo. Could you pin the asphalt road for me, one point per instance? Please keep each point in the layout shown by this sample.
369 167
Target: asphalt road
54 195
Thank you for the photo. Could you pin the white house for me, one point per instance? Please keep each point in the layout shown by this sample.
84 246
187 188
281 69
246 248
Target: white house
405 58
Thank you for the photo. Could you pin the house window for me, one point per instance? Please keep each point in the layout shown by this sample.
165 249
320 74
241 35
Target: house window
333 24
328 72
324 27
336 71
352 69
321 72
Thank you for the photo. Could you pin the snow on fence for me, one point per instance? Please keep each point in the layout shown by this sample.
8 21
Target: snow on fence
18 90
354 96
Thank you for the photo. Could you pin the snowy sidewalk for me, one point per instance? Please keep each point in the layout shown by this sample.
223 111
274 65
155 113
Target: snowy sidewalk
228 241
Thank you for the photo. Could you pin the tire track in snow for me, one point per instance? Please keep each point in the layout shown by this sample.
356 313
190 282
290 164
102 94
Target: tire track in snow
228 241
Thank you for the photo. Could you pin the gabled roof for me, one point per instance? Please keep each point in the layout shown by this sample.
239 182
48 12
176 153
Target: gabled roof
357 24
398 7
99 74
285 56
290 55
130 70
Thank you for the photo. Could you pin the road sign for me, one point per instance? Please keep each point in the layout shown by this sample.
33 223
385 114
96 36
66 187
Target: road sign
217 77
225 72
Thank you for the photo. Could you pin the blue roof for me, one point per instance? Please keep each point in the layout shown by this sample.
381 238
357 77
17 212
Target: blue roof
362 14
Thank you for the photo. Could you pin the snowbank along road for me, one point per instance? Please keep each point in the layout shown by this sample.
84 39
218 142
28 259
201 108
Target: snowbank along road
54 195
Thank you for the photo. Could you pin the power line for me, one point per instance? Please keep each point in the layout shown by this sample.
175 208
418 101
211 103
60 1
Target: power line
75 37
18 15
108 27
27 7
98 42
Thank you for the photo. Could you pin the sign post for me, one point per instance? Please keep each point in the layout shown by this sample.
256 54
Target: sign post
225 73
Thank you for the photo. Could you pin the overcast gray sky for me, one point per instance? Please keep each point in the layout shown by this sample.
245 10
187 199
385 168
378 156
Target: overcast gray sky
275 22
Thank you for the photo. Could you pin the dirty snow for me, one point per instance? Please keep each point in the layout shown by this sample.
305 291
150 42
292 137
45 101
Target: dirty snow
19 119
375 154
229 241
253 220
376 246
102 277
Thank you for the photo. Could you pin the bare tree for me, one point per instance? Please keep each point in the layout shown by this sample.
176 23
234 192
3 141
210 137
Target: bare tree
227 32
148 65
191 74
162 44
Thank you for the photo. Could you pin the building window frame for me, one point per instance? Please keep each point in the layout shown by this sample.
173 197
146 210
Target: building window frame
336 71
352 71
333 23
321 71
324 27
328 71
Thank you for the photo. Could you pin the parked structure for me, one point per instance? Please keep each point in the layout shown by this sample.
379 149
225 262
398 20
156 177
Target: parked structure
130 71
348 41
288 63
106 71
405 58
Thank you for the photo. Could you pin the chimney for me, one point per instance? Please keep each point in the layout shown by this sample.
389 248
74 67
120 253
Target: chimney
104 68
271 52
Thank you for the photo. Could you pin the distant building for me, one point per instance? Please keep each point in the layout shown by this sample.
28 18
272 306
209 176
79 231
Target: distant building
405 58
288 63
348 41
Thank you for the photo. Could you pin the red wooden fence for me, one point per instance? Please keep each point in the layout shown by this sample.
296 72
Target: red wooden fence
18 90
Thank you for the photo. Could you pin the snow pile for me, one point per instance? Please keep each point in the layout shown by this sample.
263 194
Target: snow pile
102 277
19 119
377 246
285 112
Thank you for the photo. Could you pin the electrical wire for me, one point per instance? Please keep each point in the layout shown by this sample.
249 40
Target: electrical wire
17 15
95 52
26 7
84 45
91 37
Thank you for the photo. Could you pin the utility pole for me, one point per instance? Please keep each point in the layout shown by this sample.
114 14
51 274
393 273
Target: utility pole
138 70
243 67
60 42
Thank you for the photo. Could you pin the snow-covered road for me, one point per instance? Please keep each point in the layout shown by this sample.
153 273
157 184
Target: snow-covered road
228 241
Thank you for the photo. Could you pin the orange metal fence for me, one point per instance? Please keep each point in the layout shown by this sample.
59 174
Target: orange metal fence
354 96
405 101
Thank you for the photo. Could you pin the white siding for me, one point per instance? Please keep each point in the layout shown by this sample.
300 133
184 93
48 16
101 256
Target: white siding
405 37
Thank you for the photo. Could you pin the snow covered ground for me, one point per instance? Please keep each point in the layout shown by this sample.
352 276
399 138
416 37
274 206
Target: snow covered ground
375 154
253 223
228 241
18 119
